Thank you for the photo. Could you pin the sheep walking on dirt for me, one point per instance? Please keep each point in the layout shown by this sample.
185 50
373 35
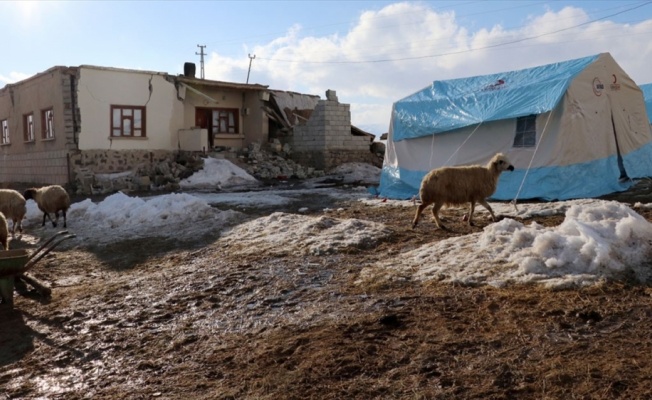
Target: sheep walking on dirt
50 199
12 205
461 185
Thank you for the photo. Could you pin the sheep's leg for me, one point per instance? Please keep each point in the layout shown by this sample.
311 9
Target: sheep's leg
56 216
47 215
471 210
420 209
64 219
488 207
435 213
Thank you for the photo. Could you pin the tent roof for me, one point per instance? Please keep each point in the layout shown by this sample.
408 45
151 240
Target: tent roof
647 95
456 103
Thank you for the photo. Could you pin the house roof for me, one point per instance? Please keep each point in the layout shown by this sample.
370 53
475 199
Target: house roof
220 84
187 80
35 76
180 78
456 103
647 95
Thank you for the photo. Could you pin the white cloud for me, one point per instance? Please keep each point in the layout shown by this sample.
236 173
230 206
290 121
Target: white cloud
13 77
427 45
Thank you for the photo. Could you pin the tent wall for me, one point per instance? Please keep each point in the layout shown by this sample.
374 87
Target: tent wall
589 111
647 96
407 161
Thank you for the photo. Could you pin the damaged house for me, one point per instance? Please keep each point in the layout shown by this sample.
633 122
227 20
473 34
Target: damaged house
100 129
319 131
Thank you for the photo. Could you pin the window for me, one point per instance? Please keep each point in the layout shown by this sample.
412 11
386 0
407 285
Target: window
526 131
28 127
47 124
224 120
127 121
4 125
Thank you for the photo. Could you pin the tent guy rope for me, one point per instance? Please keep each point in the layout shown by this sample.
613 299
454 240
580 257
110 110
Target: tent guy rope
432 146
536 148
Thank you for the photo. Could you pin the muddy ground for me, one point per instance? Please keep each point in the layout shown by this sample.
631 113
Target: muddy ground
172 319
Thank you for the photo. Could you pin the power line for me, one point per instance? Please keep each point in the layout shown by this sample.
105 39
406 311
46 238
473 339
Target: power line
435 9
464 51
275 34
431 42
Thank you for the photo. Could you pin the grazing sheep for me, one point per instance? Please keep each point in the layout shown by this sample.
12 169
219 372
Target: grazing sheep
12 205
4 232
50 199
461 185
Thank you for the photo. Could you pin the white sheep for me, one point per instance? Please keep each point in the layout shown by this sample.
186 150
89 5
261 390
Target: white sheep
50 199
12 205
461 185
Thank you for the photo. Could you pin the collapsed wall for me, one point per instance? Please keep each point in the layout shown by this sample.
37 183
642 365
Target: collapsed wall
326 141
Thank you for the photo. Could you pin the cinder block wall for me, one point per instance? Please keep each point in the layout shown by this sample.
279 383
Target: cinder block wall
39 168
325 141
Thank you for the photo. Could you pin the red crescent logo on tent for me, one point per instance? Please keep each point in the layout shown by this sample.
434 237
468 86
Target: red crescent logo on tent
615 79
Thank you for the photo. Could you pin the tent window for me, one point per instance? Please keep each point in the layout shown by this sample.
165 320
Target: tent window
526 131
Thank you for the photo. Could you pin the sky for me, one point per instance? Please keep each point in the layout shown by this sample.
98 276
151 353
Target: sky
597 240
372 53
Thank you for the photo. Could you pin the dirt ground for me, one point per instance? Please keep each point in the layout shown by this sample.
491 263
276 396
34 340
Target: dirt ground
163 319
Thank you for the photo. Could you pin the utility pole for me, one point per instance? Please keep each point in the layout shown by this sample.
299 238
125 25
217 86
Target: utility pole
250 60
202 54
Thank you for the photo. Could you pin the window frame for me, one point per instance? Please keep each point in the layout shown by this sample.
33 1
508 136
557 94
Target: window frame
232 127
5 137
128 113
47 127
28 128
525 132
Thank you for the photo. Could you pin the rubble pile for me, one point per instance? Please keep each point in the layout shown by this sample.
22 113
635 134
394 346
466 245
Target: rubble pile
273 162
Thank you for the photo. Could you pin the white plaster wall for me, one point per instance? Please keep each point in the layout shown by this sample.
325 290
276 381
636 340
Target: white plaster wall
99 88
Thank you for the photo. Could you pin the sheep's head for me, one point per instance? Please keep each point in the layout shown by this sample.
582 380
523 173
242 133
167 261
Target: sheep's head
29 194
500 163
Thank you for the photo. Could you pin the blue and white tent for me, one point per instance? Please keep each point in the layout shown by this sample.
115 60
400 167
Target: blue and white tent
573 129
647 96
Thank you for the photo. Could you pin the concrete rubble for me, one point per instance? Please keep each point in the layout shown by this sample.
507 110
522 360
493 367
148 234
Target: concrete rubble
274 163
